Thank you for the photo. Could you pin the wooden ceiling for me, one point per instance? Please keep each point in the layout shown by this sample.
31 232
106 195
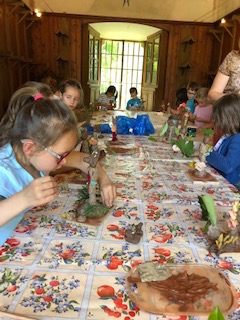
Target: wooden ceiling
169 10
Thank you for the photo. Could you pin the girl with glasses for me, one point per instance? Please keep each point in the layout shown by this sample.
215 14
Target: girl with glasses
38 138
43 133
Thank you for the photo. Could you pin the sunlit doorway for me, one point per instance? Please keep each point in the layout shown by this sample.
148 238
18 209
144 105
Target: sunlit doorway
122 65
126 55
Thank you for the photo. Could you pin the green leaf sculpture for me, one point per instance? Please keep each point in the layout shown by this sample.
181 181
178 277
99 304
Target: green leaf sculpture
208 210
208 131
186 146
164 129
177 131
216 315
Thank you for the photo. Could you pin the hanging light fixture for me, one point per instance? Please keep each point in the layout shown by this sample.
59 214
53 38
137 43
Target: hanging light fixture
38 13
223 20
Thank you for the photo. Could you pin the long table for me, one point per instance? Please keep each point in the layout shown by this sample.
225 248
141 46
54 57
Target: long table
79 272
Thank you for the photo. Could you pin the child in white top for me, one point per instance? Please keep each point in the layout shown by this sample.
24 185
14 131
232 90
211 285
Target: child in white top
107 100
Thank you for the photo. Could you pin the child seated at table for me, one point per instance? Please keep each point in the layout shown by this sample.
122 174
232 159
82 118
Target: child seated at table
192 89
185 98
107 100
134 103
224 156
41 137
71 93
37 130
202 116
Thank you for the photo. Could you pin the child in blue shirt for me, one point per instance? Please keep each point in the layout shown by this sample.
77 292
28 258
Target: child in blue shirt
192 88
41 137
37 137
134 103
225 156
185 99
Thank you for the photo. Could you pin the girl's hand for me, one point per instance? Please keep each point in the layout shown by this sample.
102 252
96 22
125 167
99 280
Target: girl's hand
192 117
40 191
108 192
80 124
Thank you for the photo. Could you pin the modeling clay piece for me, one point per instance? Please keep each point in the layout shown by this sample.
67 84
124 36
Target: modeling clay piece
182 289
93 172
184 123
114 140
114 129
88 209
59 226
134 234
229 239
85 145
203 150
153 271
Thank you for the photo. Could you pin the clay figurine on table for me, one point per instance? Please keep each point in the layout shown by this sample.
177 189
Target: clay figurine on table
92 160
134 233
222 237
198 172
88 209
184 122
229 239
167 131
114 140
203 150
114 129
85 145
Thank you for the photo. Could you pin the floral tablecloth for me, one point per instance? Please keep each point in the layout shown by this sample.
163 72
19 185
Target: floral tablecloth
79 272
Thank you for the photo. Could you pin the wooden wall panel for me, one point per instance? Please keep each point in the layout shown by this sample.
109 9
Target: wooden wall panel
41 44
48 48
15 56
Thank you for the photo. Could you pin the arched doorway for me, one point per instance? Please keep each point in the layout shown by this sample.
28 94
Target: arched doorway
126 55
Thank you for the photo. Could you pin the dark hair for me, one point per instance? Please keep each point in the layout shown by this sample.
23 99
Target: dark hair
112 89
181 96
226 114
194 86
72 83
43 121
42 88
133 89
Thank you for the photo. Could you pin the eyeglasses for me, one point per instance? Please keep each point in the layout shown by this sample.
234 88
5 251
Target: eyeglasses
56 155
53 153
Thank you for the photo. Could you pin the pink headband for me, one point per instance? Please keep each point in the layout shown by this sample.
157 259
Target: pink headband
38 96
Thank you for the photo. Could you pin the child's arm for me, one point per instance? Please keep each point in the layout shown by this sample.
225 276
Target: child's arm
202 120
175 111
108 190
39 192
218 86
208 125
226 164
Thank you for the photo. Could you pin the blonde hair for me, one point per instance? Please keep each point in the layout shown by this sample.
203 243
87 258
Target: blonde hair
202 93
